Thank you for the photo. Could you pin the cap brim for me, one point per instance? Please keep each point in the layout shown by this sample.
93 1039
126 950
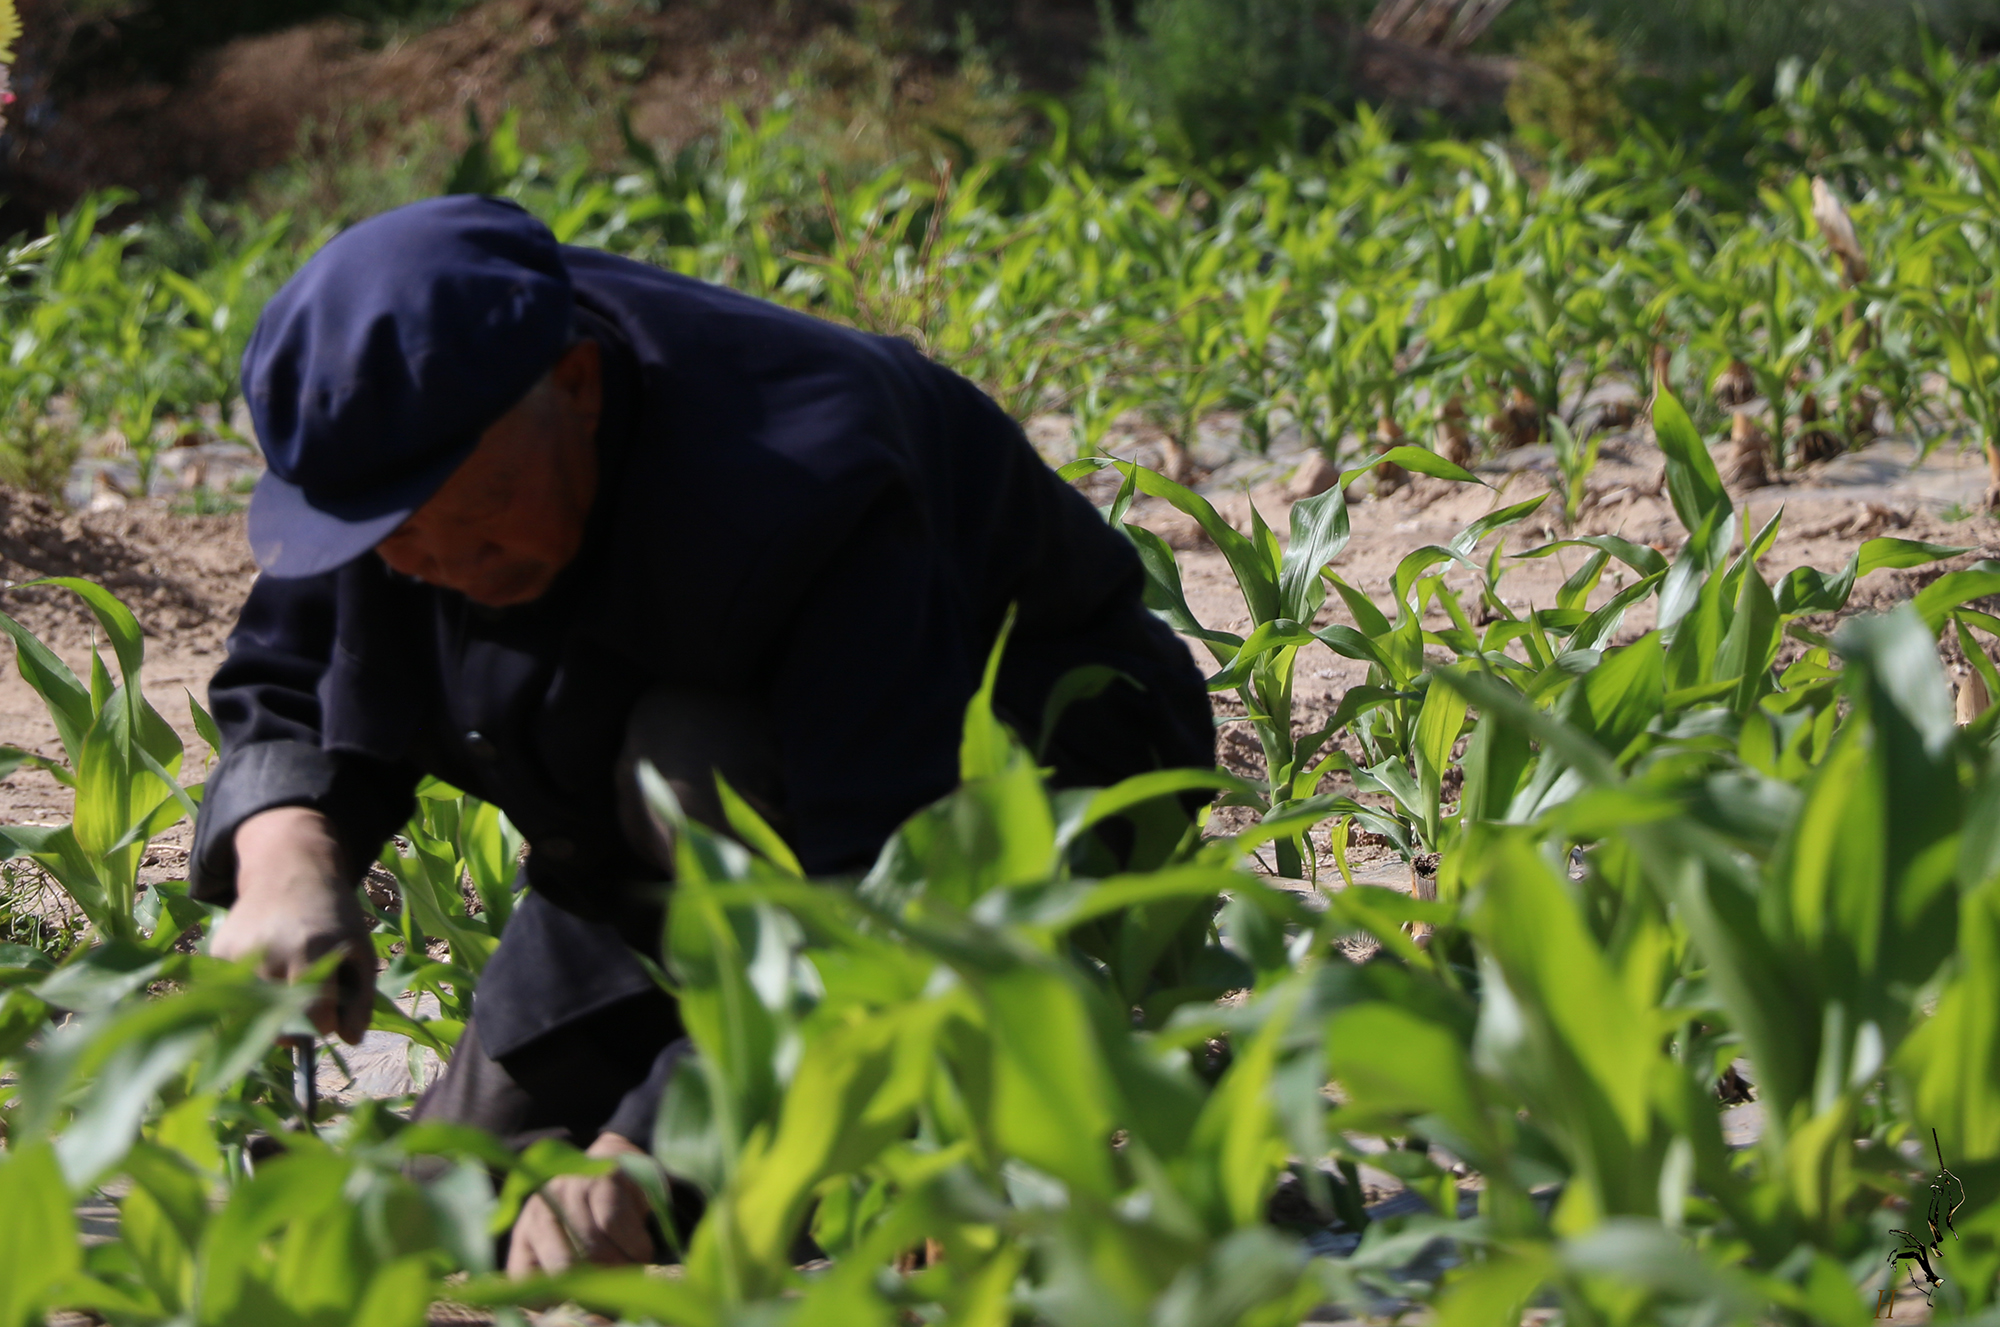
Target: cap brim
291 537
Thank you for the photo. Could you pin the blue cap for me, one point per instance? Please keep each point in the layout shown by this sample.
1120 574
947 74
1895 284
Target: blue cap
373 372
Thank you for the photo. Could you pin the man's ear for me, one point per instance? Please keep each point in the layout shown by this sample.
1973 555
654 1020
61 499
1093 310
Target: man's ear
579 377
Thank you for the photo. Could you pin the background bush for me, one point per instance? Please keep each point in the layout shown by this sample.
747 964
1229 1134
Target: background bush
1683 39
1223 75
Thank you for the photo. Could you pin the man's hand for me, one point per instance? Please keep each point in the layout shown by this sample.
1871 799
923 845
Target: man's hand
604 1216
294 905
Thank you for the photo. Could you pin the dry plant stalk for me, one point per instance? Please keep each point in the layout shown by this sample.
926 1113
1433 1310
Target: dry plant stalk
1517 423
911 307
1972 698
1736 387
1816 438
1838 229
1444 25
929 1254
1388 475
1454 438
1749 461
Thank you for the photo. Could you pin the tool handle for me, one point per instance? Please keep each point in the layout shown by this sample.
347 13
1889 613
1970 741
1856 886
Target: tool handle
305 1078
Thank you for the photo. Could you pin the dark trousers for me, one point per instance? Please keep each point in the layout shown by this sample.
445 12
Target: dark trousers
568 1085
569 1035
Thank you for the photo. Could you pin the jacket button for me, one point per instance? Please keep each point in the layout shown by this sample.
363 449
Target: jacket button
482 746
557 850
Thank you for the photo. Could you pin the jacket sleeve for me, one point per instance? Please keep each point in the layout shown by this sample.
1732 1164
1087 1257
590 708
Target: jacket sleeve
265 698
640 1108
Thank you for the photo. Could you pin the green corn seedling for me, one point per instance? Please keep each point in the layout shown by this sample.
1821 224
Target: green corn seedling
121 759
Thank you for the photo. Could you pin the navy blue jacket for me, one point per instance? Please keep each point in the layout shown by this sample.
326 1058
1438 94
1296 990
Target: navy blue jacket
822 520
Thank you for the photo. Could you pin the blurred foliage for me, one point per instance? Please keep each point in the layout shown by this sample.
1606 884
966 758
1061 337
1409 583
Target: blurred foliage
1570 89
1730 39
133 333
37 448
1227 75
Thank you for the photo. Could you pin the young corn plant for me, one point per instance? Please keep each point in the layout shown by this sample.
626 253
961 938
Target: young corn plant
1575 459
123 762
937 1072
965 1068
1283 589
215 303
451 839
152 1098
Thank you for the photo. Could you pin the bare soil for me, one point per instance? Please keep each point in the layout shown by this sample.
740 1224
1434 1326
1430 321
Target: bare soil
243 107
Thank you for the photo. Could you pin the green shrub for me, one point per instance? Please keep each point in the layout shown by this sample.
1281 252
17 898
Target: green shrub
1223 75
36 451
1737 38
1569 90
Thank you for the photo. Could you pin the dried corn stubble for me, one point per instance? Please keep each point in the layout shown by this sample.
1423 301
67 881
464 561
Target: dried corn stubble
1454 438
1318 473
1837 227
1972 699
1663 365
1748 464
1817 440
1517 423
1736 387
1389 477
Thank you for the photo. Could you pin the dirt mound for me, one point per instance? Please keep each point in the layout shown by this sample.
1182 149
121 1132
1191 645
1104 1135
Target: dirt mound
243 107
182 577
333 91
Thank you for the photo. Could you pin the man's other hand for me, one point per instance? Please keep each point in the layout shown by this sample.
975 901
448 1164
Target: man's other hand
594 1218
294 905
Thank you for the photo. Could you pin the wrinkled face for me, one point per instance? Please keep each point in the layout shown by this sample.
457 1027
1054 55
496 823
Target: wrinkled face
512 516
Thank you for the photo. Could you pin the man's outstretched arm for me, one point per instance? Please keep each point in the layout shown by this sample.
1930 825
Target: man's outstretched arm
286 827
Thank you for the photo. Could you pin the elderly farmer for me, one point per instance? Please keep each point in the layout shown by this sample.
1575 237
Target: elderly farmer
535 514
